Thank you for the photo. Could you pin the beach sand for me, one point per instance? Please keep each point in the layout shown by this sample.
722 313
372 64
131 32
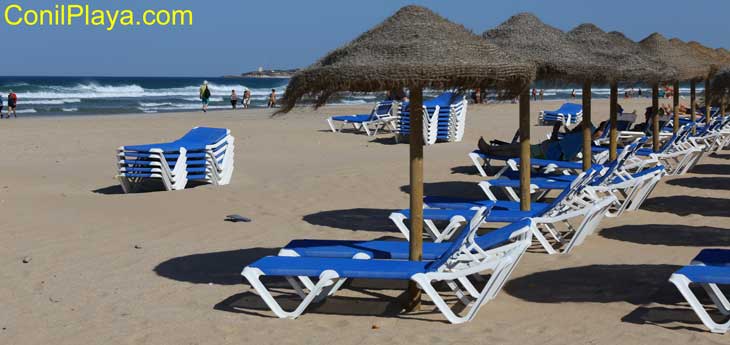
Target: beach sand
164 268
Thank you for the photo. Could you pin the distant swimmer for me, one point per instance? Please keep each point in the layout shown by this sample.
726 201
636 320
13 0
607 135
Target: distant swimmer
205 95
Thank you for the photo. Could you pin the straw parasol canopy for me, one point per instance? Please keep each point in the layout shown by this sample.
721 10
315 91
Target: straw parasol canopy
414 47
672 54
556 58
717 60
626 60
694 50
720 83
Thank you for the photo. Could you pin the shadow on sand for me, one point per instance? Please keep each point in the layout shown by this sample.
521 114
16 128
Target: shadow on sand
356 219
471 170
715 183
146 187
711 169
684 205
674 318
222 268
720 155
457 189
635 284
670 235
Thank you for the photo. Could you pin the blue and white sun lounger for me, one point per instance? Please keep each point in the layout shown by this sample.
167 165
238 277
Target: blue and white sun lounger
205 154
382 116
444 119
568 113
708 269
461 260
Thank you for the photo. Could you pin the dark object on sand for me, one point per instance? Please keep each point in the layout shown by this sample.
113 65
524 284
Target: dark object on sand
235 218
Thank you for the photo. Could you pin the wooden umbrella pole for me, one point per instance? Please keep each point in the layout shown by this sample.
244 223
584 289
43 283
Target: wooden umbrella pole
587 126
655 116
692 101
613 113
708 102
416 181
525 165
675 109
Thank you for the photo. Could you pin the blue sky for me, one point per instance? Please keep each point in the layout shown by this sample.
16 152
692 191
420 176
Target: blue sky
232 36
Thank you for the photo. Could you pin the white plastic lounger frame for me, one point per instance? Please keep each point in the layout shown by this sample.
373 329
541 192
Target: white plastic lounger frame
432 231
720 301
501 261
172 179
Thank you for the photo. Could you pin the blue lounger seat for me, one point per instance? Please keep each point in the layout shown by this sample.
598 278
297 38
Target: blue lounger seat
379 118
709 269
461 261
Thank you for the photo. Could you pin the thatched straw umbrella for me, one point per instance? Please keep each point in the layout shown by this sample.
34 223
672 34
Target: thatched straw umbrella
657 71
627 62
414 48
721 88
709 64
688 68
557 59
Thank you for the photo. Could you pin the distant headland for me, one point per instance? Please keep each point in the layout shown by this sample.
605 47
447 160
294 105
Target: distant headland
265 73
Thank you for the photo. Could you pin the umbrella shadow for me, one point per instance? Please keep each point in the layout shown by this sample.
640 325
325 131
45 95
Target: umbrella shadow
456 189
720 155
370 303
716 183
472 170
635 284
670 235
685 205
356 219
387 141
221 268
711 169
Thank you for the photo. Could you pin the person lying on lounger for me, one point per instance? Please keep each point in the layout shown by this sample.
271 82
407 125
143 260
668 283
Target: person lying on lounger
573 137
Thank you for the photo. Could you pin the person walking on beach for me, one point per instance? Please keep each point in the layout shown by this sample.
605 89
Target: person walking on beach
246 100
272 99
12 103
572 94
205 95
534 94
1 106
542 94
234 99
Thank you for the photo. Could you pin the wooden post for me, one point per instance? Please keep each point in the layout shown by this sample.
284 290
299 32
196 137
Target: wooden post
613 113
655 116
723 105
587 127
525 166
675 100
416 181
708 101
693 100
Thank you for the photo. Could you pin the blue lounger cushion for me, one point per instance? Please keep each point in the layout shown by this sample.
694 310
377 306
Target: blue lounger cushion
345 268
195 140
713 257
398 250
353 118
442 214
706 274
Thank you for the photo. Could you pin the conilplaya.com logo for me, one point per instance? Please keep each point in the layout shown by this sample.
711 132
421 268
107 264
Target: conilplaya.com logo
84 14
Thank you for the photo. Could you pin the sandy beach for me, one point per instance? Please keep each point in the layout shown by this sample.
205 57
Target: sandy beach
105 267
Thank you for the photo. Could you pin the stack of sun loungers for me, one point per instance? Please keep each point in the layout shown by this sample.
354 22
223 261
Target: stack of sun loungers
444 119
568 113
203 154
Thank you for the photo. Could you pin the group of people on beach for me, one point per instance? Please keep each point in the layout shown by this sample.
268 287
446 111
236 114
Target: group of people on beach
12 104
205 94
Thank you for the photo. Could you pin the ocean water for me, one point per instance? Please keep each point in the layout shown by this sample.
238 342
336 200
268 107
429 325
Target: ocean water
39 96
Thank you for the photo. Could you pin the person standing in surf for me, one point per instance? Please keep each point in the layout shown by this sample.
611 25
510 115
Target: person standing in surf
246 100
12 103
1 106
205 95
234 99
272 99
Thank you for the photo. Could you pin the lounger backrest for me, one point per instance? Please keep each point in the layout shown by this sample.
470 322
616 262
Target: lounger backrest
500 236
570 108
457 243
382 109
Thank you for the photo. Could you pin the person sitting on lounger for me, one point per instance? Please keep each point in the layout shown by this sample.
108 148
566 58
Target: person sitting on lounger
571 137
